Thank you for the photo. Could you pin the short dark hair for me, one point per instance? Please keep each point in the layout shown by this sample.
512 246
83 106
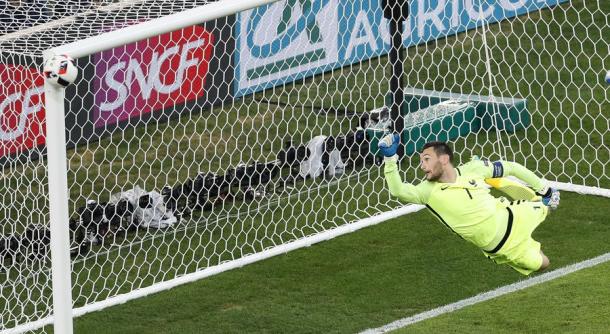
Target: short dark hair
440 147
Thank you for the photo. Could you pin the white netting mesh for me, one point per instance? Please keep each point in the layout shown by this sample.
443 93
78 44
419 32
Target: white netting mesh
30 27
188 149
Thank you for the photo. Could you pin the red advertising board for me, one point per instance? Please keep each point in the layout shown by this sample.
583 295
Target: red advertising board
149 75
183 71
22 114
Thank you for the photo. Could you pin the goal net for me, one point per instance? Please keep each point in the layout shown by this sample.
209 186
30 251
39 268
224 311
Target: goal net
199 149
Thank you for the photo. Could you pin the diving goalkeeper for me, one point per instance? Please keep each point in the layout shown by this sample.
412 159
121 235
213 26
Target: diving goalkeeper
458 198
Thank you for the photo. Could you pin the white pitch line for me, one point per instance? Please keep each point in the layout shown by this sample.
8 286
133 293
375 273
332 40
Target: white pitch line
490 294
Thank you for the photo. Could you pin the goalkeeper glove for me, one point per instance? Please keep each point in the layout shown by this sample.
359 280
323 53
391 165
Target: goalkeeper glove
550 197
388 145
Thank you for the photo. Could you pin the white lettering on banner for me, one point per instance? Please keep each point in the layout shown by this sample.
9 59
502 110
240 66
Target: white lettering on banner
362 24
116 86
407 28
432 15
134 69
455 14
160 87
27 109
385 32
361 28
506 4
435 15
477 14
284 40
151 81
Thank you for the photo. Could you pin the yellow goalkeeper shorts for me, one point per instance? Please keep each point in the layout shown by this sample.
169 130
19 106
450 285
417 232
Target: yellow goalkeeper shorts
521 251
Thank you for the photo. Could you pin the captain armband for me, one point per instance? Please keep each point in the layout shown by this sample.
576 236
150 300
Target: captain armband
498 169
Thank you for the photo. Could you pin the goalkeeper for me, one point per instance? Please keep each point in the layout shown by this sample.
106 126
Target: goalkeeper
458 198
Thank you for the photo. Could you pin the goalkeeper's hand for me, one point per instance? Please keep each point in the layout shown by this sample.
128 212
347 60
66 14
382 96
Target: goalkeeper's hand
550 197
388 145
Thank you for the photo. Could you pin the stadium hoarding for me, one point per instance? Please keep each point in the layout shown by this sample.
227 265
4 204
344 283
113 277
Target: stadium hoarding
164 76
160 78
22 109
151 75
290 40
22 113
272 48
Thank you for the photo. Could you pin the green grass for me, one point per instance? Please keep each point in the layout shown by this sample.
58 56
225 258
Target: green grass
577 303
362 280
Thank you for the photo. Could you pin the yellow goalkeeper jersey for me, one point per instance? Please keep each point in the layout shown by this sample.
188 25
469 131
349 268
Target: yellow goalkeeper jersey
465 206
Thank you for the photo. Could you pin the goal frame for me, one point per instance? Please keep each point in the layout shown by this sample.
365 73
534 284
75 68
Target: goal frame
57 155
63 311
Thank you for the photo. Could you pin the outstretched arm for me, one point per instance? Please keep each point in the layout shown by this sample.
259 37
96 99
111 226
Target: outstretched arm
496 169
550 196
406 192
488 169
519 171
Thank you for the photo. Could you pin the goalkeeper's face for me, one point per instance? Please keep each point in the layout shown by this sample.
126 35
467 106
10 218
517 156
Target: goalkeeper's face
432 164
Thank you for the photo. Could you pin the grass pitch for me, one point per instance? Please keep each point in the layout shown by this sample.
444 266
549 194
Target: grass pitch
366 279
383 273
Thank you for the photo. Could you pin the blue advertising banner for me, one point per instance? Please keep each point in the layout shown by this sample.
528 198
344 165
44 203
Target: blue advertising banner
293 39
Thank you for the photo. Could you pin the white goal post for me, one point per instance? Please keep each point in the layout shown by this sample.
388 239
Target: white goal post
212 135
56 140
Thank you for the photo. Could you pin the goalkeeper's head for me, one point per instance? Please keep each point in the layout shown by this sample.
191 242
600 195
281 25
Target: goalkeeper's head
436 158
